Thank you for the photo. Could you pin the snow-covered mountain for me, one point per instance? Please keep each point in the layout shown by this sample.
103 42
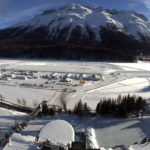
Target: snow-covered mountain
65 22
79 32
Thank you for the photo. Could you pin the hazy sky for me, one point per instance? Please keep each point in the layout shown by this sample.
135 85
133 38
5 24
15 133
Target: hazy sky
12 11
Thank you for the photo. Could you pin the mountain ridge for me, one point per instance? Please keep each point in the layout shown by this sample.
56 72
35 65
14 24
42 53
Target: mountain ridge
77 16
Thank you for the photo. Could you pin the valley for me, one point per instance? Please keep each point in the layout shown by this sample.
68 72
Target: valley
28 83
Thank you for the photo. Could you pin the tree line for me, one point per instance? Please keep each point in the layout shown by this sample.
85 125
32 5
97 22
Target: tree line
114 45
63 51
122 106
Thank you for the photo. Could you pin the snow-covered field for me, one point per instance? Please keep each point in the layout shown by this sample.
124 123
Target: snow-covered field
57 66
118 78
140 66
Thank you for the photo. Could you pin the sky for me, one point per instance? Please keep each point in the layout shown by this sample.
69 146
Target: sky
13 11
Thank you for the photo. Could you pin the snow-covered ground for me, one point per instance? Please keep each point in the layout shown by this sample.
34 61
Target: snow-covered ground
140 66
19 142
133 85
57 66
7 120
31 95
101 132
118 78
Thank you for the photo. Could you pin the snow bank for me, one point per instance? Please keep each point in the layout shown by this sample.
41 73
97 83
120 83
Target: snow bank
145 146
102 148
58 132
91 141
22 139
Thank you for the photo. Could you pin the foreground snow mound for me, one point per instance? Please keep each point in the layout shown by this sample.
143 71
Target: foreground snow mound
91 141
58 132
22 139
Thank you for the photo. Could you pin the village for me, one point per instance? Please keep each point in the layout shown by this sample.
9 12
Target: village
44 79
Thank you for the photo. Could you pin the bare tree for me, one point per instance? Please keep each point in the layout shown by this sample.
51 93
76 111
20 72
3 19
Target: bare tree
1 97
35 103
24 102
63 100
19 101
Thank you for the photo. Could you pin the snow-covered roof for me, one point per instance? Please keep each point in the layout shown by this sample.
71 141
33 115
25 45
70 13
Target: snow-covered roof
58 132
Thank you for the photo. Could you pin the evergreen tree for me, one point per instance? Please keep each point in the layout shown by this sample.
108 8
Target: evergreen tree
79 108
45 109
52 111
98 107
86 108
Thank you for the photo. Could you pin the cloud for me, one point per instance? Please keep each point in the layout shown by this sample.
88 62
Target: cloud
146 6
133 5
38 7
145 2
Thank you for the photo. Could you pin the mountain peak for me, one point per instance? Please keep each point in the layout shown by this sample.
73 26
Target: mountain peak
73 6
88 22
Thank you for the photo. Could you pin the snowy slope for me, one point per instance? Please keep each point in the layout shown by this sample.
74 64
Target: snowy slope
87 21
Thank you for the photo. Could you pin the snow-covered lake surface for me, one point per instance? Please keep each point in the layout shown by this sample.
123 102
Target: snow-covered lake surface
61 66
